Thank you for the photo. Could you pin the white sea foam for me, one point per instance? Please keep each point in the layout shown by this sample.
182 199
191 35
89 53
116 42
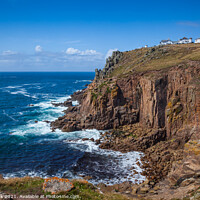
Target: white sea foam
34 85
24 173
75 103
62 99
121 164
20 113
48 112
21 91
35 127
13 87
39 87
82 81
31 83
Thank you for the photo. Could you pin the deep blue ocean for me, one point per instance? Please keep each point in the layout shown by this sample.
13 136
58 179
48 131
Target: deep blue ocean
29 148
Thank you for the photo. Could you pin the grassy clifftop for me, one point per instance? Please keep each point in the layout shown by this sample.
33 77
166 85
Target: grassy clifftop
156 58
27 186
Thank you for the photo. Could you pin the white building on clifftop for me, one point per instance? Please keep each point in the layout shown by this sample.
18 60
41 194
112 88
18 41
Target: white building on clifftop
165 42
185 40
181 41
197 40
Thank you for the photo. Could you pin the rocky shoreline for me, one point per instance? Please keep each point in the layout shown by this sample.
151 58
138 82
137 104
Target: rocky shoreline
158 162
155 111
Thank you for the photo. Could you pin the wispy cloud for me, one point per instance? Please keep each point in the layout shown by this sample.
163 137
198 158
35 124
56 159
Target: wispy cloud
109 52
189 23
38 49
87 52
8 52
71 59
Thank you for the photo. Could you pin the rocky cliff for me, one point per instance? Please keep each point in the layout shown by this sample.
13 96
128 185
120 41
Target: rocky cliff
165 97
149 98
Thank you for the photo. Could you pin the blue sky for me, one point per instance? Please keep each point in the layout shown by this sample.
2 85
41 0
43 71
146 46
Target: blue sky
62 35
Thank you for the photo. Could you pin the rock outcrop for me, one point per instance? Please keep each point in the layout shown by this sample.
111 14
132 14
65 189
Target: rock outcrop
150 100
56 185
109 66
160 99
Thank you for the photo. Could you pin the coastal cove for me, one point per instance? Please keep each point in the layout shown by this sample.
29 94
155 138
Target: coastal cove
132 131
30 148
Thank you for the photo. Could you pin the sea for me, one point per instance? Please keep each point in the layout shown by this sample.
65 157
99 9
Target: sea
28 147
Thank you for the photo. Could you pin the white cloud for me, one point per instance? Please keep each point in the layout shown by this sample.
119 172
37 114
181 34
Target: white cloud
72 51
72 59
8 52
87 52
38 48
109 53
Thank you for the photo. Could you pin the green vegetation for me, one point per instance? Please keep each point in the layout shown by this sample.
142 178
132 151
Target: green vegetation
108 90
22 186
156 58
33 186
94 96
83 191
102 85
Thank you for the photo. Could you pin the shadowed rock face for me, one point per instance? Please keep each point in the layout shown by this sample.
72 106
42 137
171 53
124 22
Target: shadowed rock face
159 99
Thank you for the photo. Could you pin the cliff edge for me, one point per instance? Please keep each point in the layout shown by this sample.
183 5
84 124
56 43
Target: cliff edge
156 87
150 100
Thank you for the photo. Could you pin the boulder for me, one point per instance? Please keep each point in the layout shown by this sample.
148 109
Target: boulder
55 185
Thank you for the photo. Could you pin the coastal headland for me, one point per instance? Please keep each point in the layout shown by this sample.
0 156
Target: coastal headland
147 100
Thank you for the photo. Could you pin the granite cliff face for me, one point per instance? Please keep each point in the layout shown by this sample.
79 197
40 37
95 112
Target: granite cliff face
149 98
156 99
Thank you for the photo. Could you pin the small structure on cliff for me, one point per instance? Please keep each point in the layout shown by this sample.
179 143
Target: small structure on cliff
165 42
109 66
185 40
197 40
180 41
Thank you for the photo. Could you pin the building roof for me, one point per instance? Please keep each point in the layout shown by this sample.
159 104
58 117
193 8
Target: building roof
165 40
184 38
